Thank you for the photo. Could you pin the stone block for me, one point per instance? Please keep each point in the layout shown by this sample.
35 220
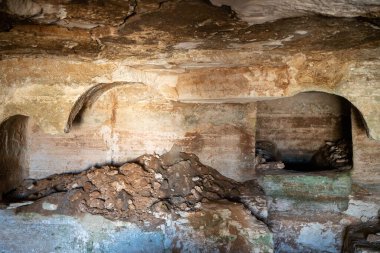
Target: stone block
309 185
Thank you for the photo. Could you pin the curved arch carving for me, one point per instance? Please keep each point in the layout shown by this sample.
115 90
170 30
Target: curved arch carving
352 103
92 94
86 99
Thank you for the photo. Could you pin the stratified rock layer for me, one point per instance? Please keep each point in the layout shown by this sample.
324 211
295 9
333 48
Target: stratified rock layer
205 58
260 11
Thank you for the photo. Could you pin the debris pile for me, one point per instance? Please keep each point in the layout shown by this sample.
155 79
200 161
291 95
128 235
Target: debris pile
136 190
267 156
333 155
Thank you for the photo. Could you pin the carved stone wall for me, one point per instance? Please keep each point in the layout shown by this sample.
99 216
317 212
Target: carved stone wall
13 152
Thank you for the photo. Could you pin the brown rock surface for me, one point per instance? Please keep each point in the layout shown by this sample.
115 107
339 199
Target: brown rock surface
133 191
334 154
260 11
208 57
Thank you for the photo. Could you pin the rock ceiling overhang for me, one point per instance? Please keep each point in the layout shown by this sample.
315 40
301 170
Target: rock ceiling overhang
190 51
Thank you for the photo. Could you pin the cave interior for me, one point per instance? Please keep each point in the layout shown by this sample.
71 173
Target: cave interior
189 126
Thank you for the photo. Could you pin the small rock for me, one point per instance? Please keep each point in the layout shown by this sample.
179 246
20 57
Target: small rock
118 185
49 206
70 44
96 203
373 238
158 176
95 194
198 189
15 205
156 186
109 205
112 172
75 185
195 179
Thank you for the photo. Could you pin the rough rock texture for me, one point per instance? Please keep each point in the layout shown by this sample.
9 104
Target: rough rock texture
174 181
13 152
153 66
218 227
362 238
177 203
128 121
208 57
366 155
336 154
310 212
260 11
300 125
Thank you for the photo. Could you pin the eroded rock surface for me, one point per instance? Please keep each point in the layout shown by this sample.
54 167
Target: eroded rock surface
204 58
259 11
170 202
218 227
362 238
133 191
334 154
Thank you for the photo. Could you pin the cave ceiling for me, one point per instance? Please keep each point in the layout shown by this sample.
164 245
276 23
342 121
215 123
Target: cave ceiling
57 54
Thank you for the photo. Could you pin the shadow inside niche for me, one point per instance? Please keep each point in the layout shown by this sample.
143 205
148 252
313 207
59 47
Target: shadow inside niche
334 155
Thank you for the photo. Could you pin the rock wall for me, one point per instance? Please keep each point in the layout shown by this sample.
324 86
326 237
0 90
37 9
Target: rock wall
218 228
366 154
220 59
13 152
123 78
259 11
128 121
301 124
170 203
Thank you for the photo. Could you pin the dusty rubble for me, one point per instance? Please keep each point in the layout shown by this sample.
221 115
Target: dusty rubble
136 190
334 154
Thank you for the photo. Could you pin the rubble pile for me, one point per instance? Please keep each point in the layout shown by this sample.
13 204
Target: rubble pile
267 156
136 190
333 155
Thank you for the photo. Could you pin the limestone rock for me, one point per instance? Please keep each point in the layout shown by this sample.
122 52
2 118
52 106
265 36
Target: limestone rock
205 58
81 14
261 11
135 190
336 154
218 227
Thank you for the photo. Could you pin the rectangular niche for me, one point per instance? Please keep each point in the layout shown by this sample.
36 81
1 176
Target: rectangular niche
297 127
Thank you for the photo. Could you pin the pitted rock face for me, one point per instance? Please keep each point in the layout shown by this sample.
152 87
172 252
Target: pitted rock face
334 154
261 11
136 190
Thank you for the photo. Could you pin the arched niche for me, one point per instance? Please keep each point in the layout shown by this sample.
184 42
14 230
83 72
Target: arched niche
298 127
13 152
